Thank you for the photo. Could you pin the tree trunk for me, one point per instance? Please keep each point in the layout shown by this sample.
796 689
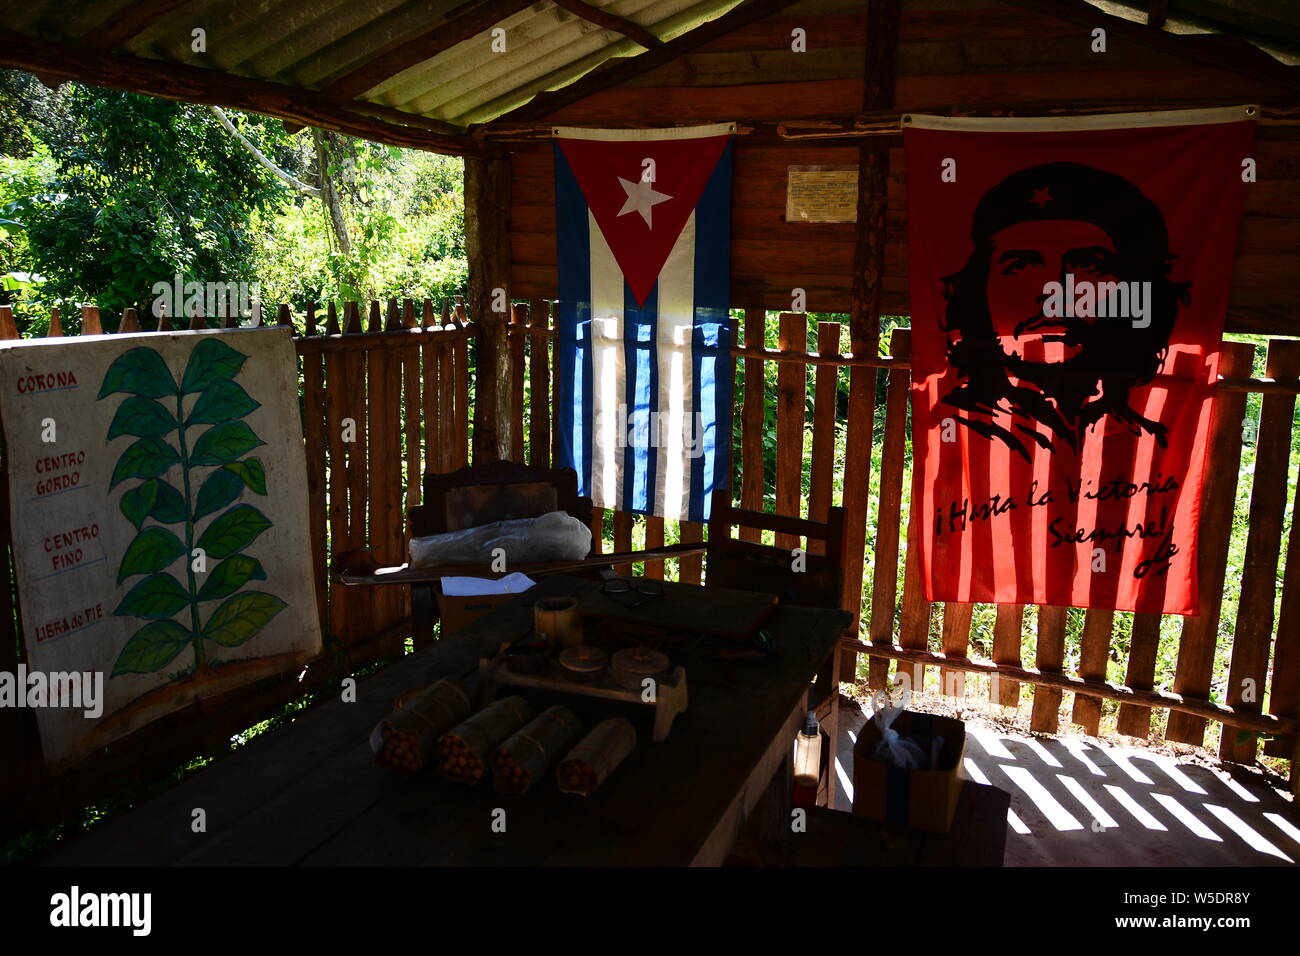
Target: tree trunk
487 246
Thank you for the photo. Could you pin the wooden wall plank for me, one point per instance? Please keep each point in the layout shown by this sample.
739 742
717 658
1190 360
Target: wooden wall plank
623 521
1218 498
1094 652
431 394
914 621
1248 671
460 378
313 377
1284 693
690 568
517 340
791 395
956 643
1006 650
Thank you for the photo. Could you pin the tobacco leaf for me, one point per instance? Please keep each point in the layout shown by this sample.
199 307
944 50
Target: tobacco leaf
218 490
240 617
170 507
139 501
157 596
141 371
232 531
252 472
142 417
152 550
144 458
222 401
152 647
230 575
211 361
222 444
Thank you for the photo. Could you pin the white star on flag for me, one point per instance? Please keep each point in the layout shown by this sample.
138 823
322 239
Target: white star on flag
641 197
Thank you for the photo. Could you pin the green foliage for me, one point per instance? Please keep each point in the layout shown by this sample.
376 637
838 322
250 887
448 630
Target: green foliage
158 596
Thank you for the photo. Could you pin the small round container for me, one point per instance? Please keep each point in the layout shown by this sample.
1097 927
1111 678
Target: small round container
635 664
583 665
529 657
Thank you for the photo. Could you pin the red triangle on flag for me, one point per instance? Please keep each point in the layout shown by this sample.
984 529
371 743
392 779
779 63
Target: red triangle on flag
641 219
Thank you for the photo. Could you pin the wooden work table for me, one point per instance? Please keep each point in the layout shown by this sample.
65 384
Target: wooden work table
310 793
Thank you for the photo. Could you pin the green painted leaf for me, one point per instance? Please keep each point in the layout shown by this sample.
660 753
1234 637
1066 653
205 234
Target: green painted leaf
211 361
142 417
220 489
157 596
152 550
222 444
139 501
241 617
141 371
222 401
233 531
145 458
152 647
231 575
252 472
170 507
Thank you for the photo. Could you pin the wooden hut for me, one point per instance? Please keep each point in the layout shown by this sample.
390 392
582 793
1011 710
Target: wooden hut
808 83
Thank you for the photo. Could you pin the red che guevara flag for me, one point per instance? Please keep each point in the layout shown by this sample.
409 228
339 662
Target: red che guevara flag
1069 279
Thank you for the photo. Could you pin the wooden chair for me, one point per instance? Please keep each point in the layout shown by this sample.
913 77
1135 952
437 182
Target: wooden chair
750 566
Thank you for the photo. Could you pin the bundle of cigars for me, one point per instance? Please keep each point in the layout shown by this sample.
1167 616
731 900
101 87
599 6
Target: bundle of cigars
407 739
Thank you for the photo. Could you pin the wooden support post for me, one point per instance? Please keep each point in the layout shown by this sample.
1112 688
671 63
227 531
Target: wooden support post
880 67
487 244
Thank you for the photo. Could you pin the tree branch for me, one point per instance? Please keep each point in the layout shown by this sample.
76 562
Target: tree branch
258 155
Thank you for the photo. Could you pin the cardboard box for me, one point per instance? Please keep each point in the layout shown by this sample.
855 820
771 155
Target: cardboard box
924 799
460 611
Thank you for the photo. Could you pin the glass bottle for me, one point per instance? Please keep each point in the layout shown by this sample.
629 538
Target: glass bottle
807 763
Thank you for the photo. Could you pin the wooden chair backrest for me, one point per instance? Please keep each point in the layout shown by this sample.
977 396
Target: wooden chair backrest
750 566
499 491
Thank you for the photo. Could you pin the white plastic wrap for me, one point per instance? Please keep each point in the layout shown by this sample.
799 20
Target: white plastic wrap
556 536
892 748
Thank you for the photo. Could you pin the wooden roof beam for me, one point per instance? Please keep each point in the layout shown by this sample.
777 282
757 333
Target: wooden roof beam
191 84
125 24
610 21
403 55
739 16
1223 51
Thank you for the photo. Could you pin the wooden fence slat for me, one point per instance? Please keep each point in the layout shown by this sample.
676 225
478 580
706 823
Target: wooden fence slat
356 606
1006 650
313 377
447 401
56 324
752 468
1248 671
1049 657
623 521
859 428
516 337
412 408
823 432
464 413
1094 652
334 393
388 537
539 385
914 621
556 375
1135 719
430 392
654 538
893 451
690 567
956 643
1284 693
90 324
1218 500
791 394
597 530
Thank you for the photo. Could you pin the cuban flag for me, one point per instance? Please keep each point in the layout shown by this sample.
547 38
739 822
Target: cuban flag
643 227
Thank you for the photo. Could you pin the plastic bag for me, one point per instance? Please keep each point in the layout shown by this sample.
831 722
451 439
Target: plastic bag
895 749
556 536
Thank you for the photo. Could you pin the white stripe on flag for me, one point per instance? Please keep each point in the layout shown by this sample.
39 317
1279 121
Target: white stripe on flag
606 371
673 353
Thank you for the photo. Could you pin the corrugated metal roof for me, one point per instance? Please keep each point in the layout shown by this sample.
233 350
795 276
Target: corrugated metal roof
313 44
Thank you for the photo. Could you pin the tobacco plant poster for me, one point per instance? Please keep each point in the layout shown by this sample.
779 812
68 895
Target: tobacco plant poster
159 522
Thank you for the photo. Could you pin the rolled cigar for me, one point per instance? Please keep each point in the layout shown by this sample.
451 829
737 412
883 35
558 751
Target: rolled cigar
590 763
524 759
473 741
408 738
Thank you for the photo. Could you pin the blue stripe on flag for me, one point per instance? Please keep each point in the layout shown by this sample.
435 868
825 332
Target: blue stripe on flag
711 342
573 398
640 397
